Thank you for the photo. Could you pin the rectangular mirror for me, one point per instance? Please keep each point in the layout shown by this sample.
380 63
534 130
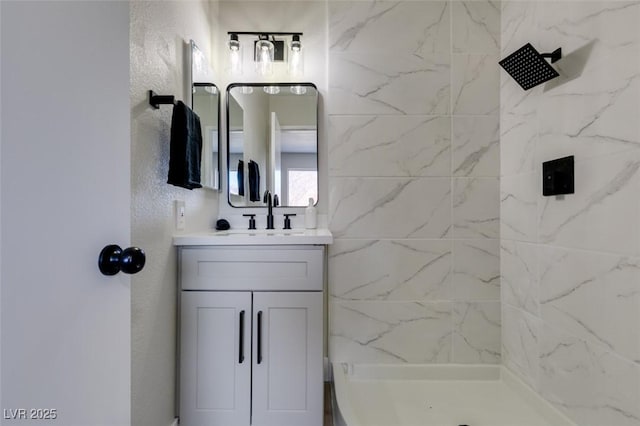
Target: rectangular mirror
272 143
205 102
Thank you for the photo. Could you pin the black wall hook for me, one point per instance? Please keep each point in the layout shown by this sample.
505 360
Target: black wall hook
156 100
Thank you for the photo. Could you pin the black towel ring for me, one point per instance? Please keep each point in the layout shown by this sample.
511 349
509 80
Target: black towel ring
156 100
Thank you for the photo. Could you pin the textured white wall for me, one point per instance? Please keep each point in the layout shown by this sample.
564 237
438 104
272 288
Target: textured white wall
571 265
158 33
413 181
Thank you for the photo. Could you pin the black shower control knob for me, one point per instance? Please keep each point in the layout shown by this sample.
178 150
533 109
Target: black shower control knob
113 259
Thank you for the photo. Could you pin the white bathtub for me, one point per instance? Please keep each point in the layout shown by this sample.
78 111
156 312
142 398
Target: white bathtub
436 395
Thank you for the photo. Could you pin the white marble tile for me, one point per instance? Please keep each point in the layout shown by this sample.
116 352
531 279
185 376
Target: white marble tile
366 145
476 270
591 116
389 207
593 296
409 270
476 146
604 204
620 404
390 332
518 137
519 281
593 386
571 374
519 195
476 337
595 102
476 27
476 208
408 27
519 25
475 85
607 21
388 83
515 100
520 334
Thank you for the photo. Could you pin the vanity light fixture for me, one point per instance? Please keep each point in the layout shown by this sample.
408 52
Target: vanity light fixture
246 90
269 47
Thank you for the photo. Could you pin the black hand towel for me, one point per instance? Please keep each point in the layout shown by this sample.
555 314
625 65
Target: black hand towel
240 176
186 148
254 181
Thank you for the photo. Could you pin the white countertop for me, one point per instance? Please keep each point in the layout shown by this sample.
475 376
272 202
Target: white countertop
245 237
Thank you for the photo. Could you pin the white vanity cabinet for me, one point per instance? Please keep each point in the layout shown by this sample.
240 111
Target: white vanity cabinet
251 336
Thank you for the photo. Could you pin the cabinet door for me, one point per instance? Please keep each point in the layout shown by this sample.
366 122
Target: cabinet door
215 358
287 359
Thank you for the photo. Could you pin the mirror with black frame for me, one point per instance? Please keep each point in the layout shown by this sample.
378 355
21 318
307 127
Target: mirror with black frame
272 143
205 102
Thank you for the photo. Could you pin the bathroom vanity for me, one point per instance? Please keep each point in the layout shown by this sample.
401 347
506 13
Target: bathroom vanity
251 328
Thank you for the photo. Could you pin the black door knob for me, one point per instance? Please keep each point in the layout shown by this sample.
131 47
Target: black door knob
113 259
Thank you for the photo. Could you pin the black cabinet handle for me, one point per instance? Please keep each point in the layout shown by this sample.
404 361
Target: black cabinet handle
241 345
259 337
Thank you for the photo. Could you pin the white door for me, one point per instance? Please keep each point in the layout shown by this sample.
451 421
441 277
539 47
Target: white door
215 358
275 156
287 364
65 194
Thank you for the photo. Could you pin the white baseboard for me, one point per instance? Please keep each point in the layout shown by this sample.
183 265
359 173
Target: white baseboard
175 422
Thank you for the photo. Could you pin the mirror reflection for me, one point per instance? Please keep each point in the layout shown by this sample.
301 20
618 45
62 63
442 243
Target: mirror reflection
272 143
205 102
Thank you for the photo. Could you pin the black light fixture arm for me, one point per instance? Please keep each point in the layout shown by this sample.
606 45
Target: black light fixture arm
263 33
554 56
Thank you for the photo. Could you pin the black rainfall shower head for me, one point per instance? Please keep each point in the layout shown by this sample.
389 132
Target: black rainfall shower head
529 68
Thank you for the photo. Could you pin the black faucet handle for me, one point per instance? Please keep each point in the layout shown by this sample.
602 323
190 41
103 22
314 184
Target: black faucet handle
252 220
276 200
287 221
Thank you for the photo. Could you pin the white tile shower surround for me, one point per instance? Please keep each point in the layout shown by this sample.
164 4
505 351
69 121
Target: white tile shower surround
414 194
409 395
571 265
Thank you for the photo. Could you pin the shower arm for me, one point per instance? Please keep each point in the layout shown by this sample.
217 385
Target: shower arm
554 56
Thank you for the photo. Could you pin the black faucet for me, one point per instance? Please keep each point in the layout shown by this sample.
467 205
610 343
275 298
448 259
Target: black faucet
271 203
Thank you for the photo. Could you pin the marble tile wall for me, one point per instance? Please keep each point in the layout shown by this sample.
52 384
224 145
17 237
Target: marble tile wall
571 265
414 197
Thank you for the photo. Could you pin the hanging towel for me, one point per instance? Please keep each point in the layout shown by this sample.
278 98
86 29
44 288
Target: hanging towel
186 148
254 181
240 176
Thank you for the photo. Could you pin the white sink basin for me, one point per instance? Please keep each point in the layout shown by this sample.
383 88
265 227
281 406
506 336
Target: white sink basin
244 237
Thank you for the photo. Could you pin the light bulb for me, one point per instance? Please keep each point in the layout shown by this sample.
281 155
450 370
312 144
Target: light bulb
264 56
271 90
298 90
296 62
235 55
